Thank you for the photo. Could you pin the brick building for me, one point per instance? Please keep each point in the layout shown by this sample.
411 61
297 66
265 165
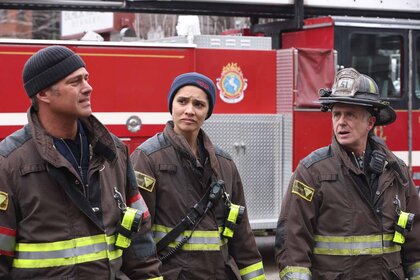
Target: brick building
16 23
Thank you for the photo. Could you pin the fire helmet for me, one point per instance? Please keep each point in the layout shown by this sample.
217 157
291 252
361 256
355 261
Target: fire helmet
351 87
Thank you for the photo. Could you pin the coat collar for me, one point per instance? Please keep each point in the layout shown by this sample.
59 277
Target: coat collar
183 148
375 143
100 140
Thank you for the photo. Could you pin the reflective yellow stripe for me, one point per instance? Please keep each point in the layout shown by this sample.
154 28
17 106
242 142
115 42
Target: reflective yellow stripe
253 272
355 245
295 273
156 278
233 215
371 86
128 218
63 253
414 271
201 240
44 263
127 222
228 232
399 238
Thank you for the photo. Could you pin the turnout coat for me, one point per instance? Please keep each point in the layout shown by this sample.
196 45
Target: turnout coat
54 227
330 229
172 181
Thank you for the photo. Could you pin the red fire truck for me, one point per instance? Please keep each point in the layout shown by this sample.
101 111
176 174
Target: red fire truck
266 115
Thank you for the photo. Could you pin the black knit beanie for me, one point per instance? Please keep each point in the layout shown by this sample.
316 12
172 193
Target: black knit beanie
193 79
48 66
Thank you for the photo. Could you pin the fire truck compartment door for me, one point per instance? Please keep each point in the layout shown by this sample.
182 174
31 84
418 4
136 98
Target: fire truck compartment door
260 145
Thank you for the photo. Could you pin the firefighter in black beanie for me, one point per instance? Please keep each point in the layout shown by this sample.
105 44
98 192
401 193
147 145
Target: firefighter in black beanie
60 176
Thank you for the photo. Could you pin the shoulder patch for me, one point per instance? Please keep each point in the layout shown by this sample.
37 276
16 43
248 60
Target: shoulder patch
318 155
145 182
218 151
4 201
154 144
303 190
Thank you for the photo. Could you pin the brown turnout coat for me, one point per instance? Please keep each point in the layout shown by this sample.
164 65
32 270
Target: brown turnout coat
45 204
180 183
332 206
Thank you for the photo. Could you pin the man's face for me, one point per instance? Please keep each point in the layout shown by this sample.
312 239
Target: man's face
70 97
351 126
189 110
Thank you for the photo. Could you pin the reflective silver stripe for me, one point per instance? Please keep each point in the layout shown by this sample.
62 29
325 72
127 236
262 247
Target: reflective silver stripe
414 271
296 276
253 275
78 251
295 273
355 245
253 272
201 240
415 274
7 242
193 240
349 246
67 252
140 205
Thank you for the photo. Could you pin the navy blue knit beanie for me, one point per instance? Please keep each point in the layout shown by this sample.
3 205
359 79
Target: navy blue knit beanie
194 79
48 66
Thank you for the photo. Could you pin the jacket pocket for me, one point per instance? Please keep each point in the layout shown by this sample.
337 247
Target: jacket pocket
32 168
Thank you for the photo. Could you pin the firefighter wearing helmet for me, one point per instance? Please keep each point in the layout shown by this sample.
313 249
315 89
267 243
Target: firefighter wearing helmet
351 210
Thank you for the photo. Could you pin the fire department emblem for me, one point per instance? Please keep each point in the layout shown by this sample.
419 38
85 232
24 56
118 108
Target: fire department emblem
232 84
145 182
4 201
303 190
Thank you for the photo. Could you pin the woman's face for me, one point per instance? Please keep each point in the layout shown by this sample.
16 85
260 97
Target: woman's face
189 110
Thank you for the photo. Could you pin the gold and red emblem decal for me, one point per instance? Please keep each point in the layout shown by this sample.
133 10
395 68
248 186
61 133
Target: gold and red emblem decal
4 201
232 83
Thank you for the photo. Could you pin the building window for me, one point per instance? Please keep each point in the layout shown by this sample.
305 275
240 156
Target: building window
21 15
3 15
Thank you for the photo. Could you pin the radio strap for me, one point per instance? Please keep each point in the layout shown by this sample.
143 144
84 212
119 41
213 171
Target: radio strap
187 222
